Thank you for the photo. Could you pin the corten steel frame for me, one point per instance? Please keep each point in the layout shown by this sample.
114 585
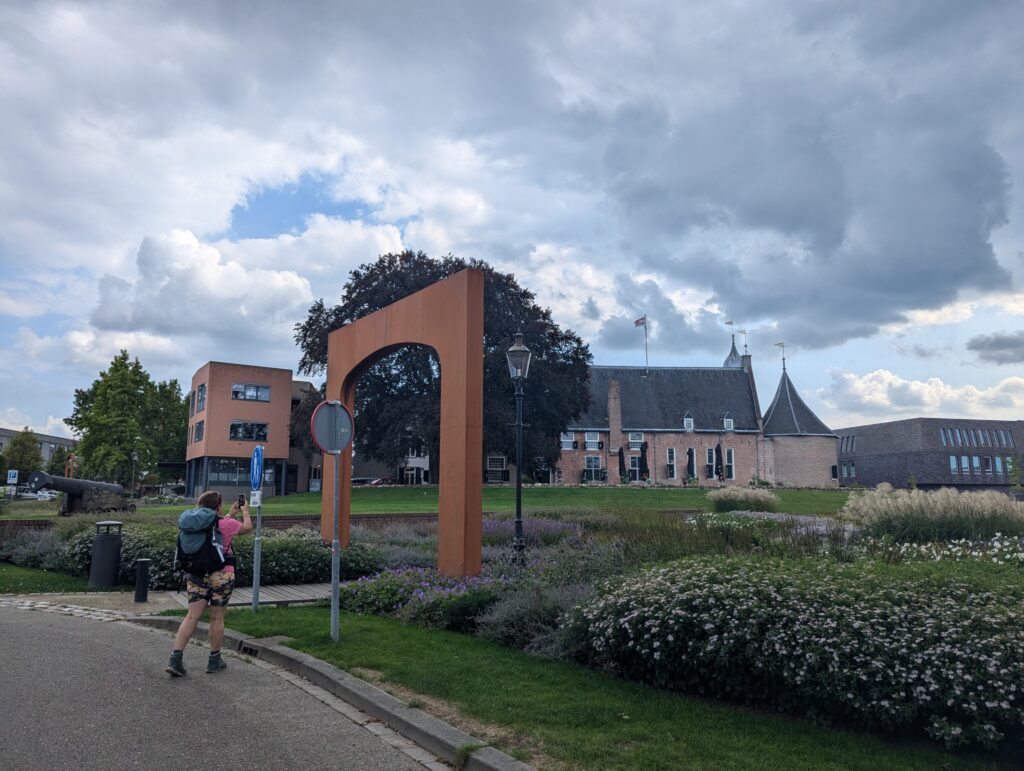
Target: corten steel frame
449 317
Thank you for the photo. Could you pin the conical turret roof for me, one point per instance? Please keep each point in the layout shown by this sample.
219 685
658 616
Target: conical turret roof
789 416
733 359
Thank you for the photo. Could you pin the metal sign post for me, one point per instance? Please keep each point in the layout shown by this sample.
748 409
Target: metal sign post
12 483
255 497
332 429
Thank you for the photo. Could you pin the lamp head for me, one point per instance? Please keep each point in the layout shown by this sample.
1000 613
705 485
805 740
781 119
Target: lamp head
518 359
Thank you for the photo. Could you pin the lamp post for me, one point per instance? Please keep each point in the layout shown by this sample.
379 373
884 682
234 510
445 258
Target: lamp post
519 367
135 457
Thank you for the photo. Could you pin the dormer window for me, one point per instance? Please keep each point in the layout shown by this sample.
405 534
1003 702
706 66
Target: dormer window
687 423
727 424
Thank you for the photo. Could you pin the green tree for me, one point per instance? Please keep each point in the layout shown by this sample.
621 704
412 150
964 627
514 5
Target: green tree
127 423
55 466
23 455
398 397
299 435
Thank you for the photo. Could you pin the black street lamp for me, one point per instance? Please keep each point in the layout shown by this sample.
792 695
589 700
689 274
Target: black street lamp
519 367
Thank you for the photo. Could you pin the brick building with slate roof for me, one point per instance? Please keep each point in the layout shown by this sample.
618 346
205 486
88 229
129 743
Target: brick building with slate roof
695 426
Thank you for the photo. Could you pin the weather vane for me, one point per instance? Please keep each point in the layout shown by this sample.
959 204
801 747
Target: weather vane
782 345
744 333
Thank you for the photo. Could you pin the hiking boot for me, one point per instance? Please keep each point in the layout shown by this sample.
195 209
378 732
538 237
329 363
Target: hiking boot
176 668
215 663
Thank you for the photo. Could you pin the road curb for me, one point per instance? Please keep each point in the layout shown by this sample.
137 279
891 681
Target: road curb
436 736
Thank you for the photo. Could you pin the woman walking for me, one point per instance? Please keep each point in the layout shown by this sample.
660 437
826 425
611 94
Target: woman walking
213 589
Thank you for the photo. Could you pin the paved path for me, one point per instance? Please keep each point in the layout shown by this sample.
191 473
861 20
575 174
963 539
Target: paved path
78 693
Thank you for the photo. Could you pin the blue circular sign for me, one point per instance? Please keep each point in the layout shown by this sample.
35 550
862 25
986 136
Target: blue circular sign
256 468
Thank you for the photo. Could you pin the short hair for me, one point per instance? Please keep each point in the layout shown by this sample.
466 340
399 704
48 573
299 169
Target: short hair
211 499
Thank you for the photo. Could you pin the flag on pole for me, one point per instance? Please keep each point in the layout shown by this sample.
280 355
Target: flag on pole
641 322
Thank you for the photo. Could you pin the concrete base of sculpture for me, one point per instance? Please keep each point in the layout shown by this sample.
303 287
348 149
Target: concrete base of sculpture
449 317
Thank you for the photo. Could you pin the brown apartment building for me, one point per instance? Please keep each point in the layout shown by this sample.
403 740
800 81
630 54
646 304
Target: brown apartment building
232 408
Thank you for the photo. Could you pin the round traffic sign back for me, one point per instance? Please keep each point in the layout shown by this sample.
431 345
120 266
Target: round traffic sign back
332 427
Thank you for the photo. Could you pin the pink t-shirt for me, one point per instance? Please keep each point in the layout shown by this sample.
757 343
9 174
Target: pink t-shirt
229 528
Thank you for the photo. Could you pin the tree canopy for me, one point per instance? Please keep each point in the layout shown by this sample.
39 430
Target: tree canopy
127 423
59 457
398 398
22 455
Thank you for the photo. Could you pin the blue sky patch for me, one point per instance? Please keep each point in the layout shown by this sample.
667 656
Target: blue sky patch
275 210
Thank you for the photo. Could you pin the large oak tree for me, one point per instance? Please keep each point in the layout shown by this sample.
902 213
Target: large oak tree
398 398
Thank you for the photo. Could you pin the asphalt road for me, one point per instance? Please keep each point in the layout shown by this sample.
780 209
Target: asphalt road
77 693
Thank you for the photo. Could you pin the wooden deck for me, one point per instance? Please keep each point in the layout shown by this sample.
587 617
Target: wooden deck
279 594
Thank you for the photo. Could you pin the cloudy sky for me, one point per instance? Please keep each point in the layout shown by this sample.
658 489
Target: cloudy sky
182 179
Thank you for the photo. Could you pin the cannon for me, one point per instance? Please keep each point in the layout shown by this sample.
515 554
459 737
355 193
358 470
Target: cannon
82 496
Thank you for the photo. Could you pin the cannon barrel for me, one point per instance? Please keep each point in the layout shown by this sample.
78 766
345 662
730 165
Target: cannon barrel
38 480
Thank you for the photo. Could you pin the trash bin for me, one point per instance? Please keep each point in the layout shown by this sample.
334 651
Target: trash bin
106 554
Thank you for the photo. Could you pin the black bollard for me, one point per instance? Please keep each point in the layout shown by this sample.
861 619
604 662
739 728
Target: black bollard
142 580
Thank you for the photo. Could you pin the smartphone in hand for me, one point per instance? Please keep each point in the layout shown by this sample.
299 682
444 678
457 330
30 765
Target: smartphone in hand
241 500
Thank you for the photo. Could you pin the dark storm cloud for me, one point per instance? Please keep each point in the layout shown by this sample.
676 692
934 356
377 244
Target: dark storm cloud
1001 348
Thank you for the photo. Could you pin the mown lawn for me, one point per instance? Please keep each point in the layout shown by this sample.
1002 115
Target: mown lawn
414 500
580 718
18 580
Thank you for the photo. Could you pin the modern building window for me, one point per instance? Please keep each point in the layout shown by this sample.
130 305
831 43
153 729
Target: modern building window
853 470
952 464
984 437
853 442
710 458
591 438
201 398
247 432
959 440
987 464
191 403
942 436
999 465
730 465
727 424
1009 465
200 427
1009 438
636 440
567 438
1002 438
250 392
965 464
235 472
976 464
671 458
846 470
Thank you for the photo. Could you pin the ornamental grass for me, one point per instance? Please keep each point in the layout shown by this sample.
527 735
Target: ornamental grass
925 516
743 499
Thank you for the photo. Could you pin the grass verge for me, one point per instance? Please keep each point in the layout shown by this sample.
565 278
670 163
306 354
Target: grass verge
581 718
18 580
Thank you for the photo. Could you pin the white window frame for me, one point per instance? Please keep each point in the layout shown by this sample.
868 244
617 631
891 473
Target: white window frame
687 424
709 456
592 463
501 459
728 424
567 438
670 459
999 465
592 438
730 463
636 440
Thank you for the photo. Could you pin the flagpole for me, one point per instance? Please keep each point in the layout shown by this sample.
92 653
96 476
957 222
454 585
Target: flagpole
647 362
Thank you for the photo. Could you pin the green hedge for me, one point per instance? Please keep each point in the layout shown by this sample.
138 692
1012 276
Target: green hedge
294 556
830 643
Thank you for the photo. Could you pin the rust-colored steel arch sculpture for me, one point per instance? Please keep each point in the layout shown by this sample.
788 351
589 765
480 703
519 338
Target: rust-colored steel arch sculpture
449 317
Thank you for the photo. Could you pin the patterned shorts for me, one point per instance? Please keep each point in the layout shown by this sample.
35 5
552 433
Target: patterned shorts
214 588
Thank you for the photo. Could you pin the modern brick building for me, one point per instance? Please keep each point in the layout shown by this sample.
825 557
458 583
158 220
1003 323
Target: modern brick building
695 426
232 408
932 452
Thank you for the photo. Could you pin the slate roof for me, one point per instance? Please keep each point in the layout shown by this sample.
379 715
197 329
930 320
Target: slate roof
659 397
789 416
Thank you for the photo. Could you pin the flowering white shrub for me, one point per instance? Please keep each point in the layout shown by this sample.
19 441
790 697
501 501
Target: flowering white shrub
1000 550
743 498
823 642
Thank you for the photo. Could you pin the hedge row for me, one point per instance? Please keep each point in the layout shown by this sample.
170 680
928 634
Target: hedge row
824 642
